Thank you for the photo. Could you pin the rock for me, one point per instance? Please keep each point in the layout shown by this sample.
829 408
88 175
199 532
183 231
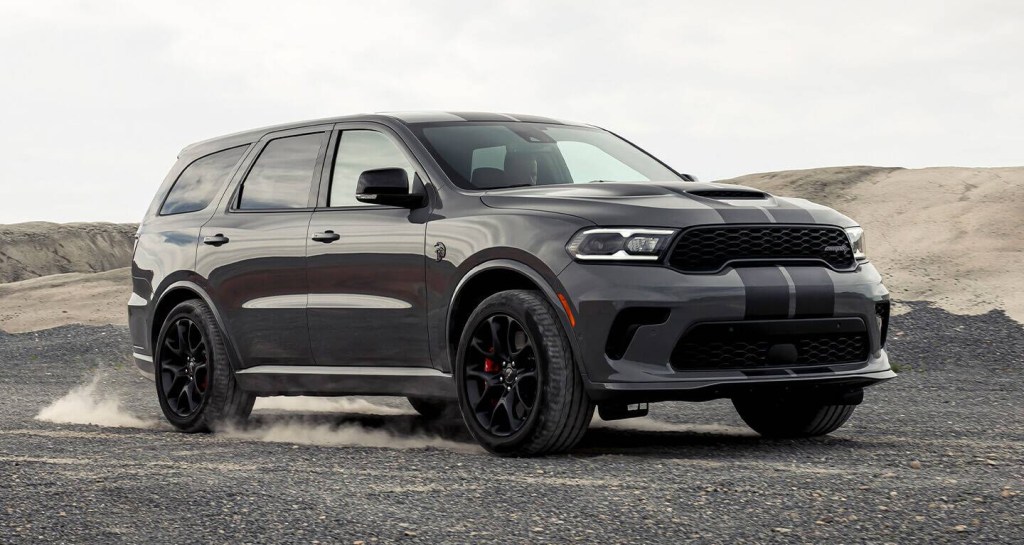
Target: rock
915 464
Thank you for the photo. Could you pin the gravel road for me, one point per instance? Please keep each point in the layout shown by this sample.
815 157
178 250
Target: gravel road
936 455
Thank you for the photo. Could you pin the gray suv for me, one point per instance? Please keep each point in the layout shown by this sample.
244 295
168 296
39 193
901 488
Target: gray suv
517 270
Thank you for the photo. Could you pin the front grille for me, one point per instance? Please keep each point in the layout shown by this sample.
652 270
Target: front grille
720 346
708 249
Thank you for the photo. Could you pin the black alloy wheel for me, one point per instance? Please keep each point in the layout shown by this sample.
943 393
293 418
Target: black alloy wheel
184 368
502 380
195 383
520 393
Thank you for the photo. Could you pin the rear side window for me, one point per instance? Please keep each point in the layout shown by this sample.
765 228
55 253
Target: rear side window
283 174
201 181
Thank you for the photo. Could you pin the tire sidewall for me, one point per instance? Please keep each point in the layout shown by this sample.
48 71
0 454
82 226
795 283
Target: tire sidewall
215 362
504 303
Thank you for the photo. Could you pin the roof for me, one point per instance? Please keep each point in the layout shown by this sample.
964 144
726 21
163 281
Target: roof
408 118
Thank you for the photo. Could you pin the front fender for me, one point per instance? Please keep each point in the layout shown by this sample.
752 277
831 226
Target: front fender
548 285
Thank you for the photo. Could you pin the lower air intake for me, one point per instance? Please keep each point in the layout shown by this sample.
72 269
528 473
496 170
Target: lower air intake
721 346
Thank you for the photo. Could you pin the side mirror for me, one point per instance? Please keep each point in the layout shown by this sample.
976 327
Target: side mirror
389 186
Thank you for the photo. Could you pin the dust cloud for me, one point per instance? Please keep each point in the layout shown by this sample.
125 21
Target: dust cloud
84 404
326 405
303 430
299 432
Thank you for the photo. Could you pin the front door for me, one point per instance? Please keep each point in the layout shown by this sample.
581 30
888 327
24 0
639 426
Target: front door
365 262
252 252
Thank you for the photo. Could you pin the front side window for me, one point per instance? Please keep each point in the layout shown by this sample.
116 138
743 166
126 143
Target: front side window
359 151
485 155
201 181
282 176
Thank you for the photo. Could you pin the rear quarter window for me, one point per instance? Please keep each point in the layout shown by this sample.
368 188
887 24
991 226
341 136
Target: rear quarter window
200 182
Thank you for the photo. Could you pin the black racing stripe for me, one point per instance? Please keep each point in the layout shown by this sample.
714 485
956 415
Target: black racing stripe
726 212
742 215
815 292
787 212
482 116
767 292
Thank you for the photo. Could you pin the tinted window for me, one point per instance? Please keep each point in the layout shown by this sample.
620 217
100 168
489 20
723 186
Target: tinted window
358 151
588 162
486 155
283 174
201 181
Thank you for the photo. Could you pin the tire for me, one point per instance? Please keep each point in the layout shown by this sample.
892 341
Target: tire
528 359
435 409
194 381
787 418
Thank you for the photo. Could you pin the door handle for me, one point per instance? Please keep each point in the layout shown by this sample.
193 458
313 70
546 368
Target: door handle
326 237
216 240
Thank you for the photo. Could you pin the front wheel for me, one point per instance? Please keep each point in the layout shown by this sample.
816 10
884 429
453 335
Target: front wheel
194 381
792 418
519 391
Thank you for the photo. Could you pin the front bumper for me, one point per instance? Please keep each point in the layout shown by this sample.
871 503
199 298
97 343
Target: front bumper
642 367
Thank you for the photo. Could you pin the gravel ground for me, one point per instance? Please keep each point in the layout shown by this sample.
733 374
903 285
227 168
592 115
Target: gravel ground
936 455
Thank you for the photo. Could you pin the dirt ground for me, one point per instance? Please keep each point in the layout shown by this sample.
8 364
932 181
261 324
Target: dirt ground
933 456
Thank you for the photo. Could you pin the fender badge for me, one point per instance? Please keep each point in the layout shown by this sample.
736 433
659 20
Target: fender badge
440 250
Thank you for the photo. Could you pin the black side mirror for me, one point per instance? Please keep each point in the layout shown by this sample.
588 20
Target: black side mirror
389 186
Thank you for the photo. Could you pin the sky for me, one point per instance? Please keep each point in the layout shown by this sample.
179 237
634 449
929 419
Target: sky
97 98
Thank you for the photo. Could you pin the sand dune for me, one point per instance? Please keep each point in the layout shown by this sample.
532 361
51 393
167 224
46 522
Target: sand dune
947 235
30 250
61 299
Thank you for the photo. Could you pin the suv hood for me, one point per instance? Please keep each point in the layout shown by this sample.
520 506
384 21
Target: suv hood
664 204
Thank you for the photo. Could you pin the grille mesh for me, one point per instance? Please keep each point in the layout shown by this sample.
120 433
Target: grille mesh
699 352
708 249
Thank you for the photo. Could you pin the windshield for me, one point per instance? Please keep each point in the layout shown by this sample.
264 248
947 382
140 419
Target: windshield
496 155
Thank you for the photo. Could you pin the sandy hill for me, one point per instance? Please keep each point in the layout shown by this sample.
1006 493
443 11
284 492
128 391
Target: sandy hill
30 250
948 235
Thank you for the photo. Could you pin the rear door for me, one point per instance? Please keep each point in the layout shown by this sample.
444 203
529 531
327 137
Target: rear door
367 302
252 252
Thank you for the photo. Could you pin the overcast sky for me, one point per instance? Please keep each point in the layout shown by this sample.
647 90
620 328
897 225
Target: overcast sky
97 98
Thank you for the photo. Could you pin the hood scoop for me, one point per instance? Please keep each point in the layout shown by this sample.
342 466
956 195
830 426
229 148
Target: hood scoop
730 194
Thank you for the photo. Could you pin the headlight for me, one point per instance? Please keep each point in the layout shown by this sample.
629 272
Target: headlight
857 242
620 244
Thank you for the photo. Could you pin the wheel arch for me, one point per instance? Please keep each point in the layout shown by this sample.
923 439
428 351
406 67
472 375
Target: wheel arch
178 293
490 277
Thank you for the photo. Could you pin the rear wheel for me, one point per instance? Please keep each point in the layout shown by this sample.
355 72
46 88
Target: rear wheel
792 418
194 381
519 391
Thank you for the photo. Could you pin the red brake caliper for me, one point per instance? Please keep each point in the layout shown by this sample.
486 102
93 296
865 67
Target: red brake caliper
490 366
